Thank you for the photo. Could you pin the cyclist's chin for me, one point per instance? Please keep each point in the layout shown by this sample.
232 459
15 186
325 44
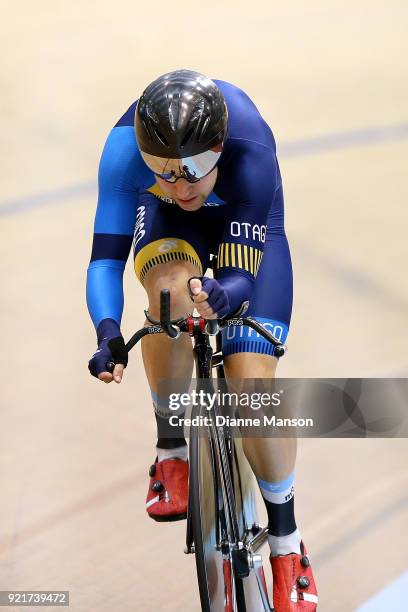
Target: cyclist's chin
191 204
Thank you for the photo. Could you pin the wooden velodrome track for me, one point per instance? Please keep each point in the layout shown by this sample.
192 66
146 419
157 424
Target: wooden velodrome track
331 80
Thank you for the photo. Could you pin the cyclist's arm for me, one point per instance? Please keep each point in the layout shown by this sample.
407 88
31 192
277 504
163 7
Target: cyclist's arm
256 179
120 168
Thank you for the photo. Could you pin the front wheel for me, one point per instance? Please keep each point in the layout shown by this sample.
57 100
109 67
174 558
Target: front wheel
220 590
204 514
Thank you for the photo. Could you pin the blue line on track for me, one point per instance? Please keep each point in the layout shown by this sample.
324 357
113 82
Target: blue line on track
52 197
295 148
393 597
343 140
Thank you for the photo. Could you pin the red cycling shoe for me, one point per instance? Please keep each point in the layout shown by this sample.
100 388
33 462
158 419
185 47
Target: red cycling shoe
168 490
294 588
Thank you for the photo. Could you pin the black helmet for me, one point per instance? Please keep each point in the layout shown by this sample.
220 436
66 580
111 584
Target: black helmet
181 115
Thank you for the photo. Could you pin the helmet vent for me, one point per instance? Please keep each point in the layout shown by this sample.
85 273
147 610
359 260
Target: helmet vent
160 136
147 128
187 136
203 129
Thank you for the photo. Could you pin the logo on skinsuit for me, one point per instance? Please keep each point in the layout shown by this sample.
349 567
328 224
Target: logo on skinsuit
139 231
164 251
167 246
275 328
244 339
248 230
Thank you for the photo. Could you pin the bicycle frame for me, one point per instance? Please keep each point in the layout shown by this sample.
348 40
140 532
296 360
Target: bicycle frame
203 353
241 552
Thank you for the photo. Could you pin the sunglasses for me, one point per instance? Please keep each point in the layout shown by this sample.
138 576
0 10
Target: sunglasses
190 168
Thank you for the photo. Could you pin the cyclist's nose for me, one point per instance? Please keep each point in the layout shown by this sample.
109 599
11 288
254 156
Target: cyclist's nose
183 188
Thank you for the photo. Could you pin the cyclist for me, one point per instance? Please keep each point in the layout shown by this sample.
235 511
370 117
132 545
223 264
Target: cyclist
190 169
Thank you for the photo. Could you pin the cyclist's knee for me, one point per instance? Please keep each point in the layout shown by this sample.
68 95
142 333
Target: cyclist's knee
172 276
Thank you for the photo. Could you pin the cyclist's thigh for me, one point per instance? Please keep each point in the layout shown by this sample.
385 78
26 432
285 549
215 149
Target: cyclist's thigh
271 300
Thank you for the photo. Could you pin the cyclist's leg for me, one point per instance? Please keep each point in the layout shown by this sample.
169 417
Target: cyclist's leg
273 459
169 249
163 357
249 356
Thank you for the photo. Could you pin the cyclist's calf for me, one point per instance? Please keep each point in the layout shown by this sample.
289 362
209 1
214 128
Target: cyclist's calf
172 276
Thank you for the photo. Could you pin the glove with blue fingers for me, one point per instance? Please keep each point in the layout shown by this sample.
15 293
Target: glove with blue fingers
209 296
111 348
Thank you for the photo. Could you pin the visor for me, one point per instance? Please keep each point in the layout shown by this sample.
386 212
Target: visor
191 168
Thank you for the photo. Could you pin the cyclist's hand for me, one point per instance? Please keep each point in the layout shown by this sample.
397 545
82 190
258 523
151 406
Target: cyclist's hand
116 375
111 347
209 296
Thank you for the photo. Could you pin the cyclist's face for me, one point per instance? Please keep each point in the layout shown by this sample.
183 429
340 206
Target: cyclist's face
189 196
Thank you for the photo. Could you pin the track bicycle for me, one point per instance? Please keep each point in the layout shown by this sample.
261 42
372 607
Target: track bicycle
222 523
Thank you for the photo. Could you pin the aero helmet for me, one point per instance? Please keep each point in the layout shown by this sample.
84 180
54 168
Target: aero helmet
181 124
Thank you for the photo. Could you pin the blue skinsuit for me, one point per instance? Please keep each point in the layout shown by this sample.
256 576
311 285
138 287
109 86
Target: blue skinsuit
242 222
